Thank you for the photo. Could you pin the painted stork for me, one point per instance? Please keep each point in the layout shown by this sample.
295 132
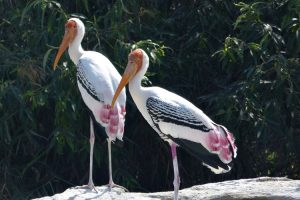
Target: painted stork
178 121
97 80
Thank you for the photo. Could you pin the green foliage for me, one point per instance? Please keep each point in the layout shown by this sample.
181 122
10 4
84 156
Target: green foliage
238 61
264 86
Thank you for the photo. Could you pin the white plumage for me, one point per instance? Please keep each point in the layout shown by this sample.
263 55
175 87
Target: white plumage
178 121
97 81
103 79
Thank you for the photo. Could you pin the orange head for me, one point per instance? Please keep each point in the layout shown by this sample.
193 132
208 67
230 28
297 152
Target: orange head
136 58
135 61
70 34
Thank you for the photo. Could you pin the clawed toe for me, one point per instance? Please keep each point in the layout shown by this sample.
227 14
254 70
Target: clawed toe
92 186
88 186
112 185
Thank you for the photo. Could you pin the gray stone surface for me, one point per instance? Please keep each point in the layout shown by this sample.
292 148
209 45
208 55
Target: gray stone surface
263 188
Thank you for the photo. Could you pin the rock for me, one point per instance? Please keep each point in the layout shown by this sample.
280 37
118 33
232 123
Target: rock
263 188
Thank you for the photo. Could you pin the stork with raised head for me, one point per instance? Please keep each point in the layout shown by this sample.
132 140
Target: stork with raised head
178 121
97 80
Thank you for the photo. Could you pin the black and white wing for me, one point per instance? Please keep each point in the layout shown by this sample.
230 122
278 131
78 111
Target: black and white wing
83 78
173 114
192 132
98 74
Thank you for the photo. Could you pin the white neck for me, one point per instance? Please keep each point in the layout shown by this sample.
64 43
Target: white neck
75 50
135 84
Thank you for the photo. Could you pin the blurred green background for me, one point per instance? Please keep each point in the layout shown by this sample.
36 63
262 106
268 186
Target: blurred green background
237 61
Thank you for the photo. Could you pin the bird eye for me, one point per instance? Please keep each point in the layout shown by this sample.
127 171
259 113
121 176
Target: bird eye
131 58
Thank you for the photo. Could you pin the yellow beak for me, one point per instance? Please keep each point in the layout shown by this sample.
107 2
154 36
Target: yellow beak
129 72
63 46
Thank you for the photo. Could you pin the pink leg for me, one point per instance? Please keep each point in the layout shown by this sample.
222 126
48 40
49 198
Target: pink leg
92 140
176 181
111 182
112 130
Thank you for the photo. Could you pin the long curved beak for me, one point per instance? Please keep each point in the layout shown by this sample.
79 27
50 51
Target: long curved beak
129 72
63 46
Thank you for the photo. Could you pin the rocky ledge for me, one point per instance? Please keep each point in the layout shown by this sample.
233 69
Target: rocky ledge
263 188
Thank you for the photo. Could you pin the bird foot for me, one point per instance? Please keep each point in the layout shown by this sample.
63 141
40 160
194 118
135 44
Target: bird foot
112 185
90 186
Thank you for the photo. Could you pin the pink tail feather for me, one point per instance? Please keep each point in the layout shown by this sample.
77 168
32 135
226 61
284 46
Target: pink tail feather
113 120
221 142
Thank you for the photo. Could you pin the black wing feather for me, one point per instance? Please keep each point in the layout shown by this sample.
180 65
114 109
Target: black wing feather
162 111
81 77
198 151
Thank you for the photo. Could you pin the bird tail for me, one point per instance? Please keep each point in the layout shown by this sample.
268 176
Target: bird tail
218 155
231 140
116 122
225 148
